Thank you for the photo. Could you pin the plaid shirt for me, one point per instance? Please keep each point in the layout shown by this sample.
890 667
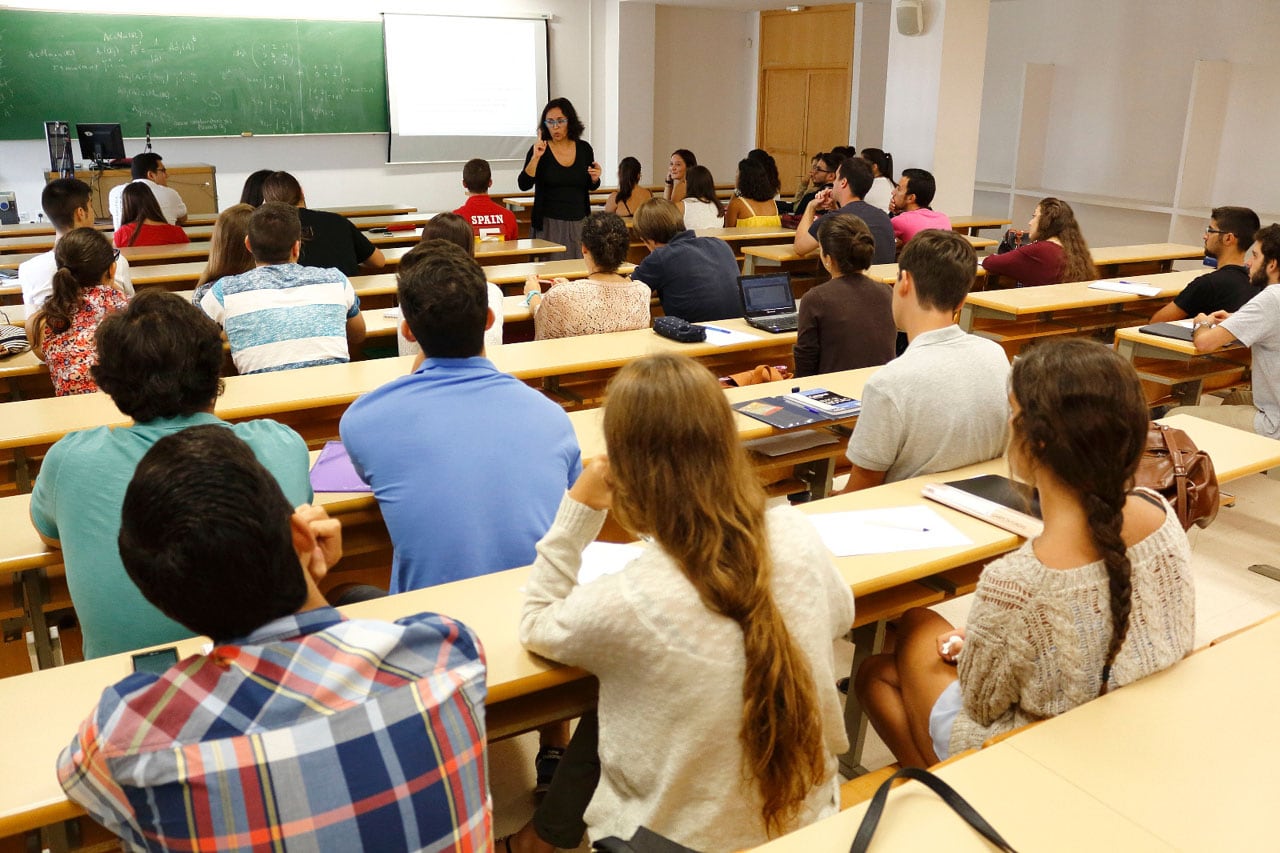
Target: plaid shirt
312 733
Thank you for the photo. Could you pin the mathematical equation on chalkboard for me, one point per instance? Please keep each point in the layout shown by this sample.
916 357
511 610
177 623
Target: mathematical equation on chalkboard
190 76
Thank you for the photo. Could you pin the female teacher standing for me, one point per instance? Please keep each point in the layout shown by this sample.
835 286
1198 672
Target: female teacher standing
561 170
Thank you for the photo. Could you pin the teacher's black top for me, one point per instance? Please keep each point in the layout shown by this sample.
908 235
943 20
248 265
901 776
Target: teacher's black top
559 192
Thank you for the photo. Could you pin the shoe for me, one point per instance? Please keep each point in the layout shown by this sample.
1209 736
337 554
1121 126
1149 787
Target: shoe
843 685
545 764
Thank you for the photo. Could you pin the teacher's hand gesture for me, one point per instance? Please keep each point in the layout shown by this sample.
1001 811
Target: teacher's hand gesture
594 171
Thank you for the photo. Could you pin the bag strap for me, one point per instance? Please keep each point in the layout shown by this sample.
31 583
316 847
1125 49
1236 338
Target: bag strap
871 819
1178 460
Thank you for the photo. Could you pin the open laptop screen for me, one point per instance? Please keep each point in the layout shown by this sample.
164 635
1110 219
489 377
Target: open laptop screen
766 294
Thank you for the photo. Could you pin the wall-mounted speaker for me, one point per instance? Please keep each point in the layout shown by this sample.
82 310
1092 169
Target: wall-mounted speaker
910 17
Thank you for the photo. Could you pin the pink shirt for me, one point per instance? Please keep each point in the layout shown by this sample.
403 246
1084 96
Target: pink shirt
911 222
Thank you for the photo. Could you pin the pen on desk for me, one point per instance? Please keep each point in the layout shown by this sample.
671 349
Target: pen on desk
911 527
716 329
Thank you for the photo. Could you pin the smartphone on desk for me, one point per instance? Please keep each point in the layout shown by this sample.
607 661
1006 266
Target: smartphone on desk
155 661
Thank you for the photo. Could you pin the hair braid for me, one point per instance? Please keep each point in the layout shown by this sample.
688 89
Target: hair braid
1105 521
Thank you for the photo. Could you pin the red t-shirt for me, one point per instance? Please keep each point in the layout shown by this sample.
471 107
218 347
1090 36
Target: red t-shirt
488 219
152 235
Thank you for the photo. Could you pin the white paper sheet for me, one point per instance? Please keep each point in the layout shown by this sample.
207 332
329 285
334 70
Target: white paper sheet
606 558
392 313
1137 288
886 531
719 336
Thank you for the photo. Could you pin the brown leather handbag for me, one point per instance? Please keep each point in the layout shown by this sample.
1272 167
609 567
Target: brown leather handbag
1183 473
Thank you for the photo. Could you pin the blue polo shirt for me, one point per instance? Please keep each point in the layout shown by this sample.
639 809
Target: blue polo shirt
468 465
77 499
695 278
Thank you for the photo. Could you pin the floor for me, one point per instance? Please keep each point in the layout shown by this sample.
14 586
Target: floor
1228 597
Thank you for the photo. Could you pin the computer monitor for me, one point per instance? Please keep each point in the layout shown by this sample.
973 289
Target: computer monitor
99 142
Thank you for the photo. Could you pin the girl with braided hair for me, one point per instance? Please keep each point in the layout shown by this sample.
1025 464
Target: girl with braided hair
719 722
1102 598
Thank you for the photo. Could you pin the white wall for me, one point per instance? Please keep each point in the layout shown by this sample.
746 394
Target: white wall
870 67
704 96
333 169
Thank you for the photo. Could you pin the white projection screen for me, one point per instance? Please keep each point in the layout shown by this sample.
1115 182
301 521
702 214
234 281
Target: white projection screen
463 87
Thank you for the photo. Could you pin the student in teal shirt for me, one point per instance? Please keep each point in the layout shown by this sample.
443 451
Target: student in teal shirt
159 360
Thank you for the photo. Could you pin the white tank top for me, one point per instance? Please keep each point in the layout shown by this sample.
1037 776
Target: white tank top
701 214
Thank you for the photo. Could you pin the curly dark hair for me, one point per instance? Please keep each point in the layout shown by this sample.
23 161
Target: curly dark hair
605 236
753 181
159 358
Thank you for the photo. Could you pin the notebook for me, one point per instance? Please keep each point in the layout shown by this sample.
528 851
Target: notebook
1179 331
767 301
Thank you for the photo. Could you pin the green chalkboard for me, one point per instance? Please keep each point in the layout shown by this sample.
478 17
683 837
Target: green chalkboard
190 76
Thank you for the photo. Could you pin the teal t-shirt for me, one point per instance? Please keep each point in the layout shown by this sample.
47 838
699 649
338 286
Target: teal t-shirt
77 499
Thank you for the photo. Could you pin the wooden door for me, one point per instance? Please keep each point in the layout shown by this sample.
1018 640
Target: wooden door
806 81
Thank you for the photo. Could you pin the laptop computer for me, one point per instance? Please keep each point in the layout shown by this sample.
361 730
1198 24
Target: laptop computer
1178 331
767 302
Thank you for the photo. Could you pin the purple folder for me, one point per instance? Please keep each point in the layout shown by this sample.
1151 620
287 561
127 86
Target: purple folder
333 471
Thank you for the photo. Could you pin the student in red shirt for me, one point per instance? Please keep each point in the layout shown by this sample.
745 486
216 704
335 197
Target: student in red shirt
143 223
488 219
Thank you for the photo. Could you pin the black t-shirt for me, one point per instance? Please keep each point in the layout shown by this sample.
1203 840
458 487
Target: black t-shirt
560 192
330 240
1225 289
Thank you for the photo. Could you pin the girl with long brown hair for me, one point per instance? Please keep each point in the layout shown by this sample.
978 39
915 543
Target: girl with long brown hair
228 253
142 221
719 722
1057 253
1103 597
84 292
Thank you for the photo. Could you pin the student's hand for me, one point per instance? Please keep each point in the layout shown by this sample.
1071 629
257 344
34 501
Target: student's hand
594 486
1220 315
532 284
328 533
950 643
824 200
594 171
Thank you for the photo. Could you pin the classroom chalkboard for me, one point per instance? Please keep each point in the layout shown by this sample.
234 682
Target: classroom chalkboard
190 76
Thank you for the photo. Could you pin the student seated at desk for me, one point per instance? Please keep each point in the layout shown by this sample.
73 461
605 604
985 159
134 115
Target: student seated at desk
144 224
880 195
454 228
1230 233
719 723
148 168
228 249
629 195
280 314
753 206
943 403
682 160
695 278
910 206
604 301
84 292
701 208
852 180
1102 598
328 240
66 201
847 322
488 220
301 729
1257 326
75 504
822 171
1057 253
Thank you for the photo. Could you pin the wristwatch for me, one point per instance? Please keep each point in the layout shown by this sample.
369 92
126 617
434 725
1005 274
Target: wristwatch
1207 324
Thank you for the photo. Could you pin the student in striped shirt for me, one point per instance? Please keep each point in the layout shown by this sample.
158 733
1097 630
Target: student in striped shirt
299 729
280 315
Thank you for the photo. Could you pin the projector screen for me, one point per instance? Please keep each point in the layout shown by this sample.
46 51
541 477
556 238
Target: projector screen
463 87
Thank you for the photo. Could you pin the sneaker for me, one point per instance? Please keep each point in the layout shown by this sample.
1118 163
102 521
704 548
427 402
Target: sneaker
545 764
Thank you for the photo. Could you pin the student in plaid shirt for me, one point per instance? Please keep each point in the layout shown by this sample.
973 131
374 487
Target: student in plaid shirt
300 730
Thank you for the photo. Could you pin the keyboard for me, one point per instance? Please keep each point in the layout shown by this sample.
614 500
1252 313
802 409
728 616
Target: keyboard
777 323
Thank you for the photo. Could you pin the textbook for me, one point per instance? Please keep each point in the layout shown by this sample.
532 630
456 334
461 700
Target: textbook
994 499
825 401
787 412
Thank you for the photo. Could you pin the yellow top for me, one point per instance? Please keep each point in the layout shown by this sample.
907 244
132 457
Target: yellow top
774 221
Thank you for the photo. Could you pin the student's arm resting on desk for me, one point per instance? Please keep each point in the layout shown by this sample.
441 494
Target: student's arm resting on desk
1217 336
862 478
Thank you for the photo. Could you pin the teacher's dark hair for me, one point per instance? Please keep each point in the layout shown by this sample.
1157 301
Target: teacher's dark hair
205 535
159 358
575 127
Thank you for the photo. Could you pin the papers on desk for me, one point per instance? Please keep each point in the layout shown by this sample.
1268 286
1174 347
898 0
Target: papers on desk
886 531
718 336
333 471
1121 286
792 442
606 558
392 313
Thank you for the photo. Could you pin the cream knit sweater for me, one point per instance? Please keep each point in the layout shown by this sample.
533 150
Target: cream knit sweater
671 678
1037 637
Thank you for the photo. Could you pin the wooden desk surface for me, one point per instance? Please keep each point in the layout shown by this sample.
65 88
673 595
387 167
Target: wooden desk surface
488 251
965 223
1021 301
739 234
888 273
44 242
382 221
786 253
348 210
1146 252
570 269
1172 346
143 255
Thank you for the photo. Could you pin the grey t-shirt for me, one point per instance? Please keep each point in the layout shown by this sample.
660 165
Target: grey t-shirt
942 404
1257 326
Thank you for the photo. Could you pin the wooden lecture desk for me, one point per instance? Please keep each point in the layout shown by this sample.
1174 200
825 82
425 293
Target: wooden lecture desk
971 225
493 253
1156 729
785 255
350 211
1177 366
44 242
1015 316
